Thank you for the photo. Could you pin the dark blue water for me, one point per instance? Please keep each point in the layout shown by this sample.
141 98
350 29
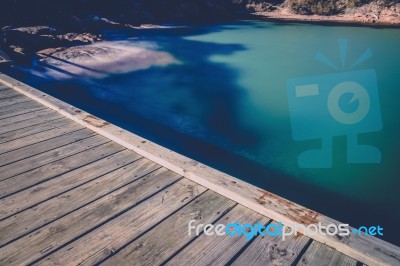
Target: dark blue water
220 96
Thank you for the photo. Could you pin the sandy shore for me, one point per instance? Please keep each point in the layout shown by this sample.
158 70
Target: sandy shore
369 15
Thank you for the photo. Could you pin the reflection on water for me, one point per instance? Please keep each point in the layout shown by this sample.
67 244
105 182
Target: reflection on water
226 104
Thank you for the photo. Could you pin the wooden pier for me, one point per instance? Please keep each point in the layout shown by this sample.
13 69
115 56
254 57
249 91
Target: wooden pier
70 196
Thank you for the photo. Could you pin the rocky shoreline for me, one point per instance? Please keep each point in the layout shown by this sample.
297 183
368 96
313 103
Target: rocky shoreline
368 15
25 40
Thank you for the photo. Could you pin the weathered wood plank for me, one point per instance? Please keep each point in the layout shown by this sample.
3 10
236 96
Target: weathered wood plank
374 250
4 87
105 240
14 100
40 116
44 191
57 168
47 145
161 242
5 100
20 108
28 116
318 254
21 133
6 122
271 250
218 250
52 236
34 162
29 220
64 127
8 93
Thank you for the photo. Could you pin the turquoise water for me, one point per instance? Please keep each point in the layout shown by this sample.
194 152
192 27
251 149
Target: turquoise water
226 104
274 54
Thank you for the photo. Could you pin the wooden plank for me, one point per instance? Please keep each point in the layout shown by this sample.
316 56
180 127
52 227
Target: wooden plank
36 114
18 99
41 116
34 162
34 149
20 108
44 191
65 230
166 238
66 127
218 250
23 133
4 100
8 93
366 249
319 254
272 250
31 219
14 100
375 251
105 240
4 87
57 168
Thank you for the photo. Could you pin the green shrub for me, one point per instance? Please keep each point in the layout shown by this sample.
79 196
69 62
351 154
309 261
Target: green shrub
319 7
331 7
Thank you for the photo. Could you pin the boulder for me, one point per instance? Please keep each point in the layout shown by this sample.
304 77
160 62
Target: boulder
31 39
78 38
102 59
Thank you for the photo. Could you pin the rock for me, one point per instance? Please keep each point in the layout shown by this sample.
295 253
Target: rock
18 54
36 30
79 38
33 39
30 39
102 59
49 51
